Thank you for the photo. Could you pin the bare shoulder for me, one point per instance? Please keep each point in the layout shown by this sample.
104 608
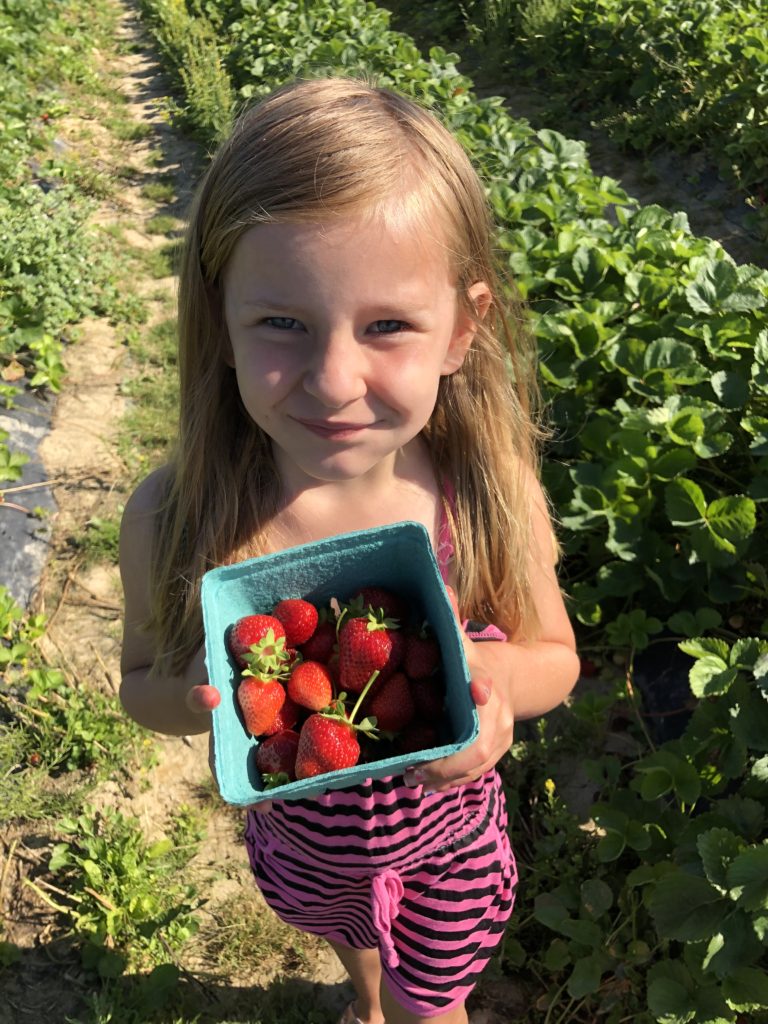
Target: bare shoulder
146 500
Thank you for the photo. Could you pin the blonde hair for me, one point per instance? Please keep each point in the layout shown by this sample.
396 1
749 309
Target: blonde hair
312 151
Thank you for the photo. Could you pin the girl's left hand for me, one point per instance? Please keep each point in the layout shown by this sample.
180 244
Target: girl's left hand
488 666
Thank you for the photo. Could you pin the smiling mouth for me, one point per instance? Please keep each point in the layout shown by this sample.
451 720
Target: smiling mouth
323 428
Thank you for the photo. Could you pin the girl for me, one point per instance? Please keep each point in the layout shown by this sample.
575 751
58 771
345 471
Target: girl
347 360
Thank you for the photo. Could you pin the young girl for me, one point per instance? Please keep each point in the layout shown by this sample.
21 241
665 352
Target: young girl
348 360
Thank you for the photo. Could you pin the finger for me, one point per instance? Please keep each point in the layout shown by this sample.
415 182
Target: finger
203 698
480 690
262 807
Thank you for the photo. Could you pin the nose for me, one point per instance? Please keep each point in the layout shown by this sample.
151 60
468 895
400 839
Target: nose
336 374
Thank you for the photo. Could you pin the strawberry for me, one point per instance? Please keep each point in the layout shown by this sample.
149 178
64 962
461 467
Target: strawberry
392 704
320 645
287 717
310 685
327 741
422 653
325 745
377 599
395 659
276 756
365 646
299 619
262 631
428 696
260 700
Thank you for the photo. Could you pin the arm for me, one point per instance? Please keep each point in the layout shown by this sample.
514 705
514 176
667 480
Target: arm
518 679
167 704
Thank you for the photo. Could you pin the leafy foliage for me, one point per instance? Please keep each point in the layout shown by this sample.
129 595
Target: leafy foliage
654 367
50 725
54 268
686 73
120 896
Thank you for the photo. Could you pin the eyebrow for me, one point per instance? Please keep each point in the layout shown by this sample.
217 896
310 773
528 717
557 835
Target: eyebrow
395 309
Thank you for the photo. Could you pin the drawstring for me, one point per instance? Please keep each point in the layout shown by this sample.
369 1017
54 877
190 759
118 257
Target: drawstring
386 893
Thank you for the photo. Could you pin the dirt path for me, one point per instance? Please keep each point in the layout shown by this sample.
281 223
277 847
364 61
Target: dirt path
82 456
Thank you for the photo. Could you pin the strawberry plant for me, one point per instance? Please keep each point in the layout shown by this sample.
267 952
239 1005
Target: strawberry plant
49 725
655 371
120 897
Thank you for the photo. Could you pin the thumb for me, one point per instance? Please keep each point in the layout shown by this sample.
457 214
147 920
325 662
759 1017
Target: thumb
203 698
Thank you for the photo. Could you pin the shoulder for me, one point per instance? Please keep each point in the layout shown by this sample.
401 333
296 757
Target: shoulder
148 497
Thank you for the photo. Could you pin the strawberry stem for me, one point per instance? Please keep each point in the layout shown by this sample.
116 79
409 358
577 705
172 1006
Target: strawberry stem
360 699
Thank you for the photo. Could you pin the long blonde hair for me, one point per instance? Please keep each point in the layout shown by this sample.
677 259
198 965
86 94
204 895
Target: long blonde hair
312 151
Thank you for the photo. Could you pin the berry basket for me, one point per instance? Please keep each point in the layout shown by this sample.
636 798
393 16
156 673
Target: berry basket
398 557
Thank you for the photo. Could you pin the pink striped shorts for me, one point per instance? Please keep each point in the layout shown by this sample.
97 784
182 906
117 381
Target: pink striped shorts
429 880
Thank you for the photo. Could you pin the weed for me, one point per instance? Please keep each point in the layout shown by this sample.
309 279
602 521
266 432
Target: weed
123 900
162 190
100 541
161 225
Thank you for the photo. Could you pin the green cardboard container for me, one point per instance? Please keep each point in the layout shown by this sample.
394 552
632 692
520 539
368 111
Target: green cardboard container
398 557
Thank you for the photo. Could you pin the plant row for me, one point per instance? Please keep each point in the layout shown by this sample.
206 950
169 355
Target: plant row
691 74
655 367
54 268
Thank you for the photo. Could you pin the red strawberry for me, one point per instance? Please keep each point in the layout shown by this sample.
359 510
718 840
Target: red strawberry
311 685
378 599
422 653
327 741
299 619
428 696
255 630
276 755
287 717
392 704
260 701
320 645
395 659
325 745
365 646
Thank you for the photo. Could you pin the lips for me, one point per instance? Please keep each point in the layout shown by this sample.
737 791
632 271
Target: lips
338 431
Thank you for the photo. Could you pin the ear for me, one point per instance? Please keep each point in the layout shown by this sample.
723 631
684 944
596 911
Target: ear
479 298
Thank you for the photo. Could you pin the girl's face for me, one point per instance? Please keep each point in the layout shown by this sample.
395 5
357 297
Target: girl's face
339 335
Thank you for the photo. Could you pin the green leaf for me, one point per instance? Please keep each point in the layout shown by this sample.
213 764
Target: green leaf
719 285
670 993
692 624
757 427
685 502
718 848
731 387
586 975
711 677
596 897
686 907
557 955
747 878
746 989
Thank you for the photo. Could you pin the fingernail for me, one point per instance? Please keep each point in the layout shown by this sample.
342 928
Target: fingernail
414 777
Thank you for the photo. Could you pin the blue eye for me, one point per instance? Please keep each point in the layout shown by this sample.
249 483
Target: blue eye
282 323
388 326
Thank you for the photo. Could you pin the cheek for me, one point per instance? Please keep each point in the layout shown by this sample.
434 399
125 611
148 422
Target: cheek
266 369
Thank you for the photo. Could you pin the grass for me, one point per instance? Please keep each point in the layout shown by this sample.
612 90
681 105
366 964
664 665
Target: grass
162 225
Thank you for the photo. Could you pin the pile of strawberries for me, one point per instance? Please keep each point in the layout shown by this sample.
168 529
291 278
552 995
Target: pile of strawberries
317 681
